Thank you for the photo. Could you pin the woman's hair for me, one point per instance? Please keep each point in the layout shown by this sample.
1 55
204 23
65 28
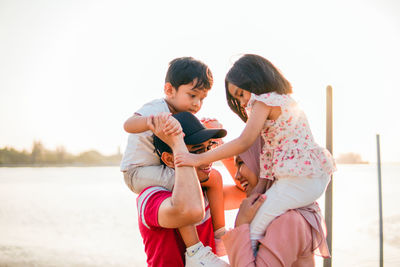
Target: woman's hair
185 70
257 75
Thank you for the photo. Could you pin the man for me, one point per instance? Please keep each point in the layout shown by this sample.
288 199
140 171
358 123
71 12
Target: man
160 211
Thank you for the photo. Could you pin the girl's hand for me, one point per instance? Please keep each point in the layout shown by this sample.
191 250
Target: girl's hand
187 159
249 208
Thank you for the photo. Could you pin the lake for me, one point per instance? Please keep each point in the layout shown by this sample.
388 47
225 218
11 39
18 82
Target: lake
86 216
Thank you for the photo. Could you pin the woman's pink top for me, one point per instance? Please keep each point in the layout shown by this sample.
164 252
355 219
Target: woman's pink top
289 148
288 241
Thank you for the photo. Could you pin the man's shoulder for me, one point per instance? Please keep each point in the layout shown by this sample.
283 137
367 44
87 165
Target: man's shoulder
150 191
148 203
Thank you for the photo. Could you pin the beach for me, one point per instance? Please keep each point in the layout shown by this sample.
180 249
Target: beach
86 216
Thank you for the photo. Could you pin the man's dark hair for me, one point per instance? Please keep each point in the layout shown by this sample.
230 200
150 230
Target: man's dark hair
185 70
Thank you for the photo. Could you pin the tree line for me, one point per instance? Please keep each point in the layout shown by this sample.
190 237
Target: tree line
42 156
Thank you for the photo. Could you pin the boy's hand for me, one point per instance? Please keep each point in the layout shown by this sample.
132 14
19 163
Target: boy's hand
248 209
212 123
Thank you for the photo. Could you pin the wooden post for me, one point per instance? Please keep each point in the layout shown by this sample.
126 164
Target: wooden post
378 147
328 193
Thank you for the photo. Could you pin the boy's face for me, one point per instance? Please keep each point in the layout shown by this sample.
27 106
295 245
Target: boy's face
186 98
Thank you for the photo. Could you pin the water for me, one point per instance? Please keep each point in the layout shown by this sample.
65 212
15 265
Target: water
87 217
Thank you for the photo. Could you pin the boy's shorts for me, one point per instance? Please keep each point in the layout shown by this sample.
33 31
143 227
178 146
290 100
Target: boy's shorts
139 178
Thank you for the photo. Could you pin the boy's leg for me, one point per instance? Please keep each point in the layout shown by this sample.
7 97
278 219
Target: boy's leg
196 254
139 178
190 237
215 195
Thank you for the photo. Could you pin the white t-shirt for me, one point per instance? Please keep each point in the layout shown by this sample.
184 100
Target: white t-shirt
140 149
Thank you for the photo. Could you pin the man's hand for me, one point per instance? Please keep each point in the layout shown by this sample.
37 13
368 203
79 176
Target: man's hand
171 126
157 124
249 208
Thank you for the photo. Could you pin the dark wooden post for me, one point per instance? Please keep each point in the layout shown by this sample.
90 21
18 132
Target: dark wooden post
378 147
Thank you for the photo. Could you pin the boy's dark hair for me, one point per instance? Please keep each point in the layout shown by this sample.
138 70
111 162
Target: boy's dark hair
257 75
185 70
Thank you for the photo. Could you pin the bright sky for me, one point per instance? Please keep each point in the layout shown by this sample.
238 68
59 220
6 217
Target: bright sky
71 72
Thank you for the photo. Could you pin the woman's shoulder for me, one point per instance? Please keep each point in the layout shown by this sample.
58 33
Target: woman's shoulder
290 217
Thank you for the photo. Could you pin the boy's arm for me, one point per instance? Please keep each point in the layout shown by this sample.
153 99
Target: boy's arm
136 124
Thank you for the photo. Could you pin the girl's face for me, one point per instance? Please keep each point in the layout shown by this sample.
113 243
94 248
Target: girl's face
239 94
247 179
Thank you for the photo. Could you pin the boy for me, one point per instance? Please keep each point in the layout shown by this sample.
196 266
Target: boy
186 85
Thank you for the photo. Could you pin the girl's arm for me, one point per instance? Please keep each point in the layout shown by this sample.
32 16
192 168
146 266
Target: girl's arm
254 125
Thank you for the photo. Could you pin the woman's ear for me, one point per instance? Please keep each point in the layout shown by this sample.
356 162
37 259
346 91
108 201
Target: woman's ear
168 159
169 90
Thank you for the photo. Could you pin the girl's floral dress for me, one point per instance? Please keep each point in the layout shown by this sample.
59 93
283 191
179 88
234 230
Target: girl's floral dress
289 148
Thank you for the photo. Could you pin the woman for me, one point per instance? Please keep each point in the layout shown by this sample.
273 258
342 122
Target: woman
290 240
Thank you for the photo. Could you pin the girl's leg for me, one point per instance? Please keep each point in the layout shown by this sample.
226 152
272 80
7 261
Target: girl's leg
285 194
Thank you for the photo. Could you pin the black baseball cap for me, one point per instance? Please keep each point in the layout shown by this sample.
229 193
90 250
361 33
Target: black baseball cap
195 132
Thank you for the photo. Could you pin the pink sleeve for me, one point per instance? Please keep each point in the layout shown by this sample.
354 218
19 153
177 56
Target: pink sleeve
238 247
289 239
286 243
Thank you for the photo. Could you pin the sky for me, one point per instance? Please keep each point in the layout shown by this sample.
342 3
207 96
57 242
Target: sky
71 72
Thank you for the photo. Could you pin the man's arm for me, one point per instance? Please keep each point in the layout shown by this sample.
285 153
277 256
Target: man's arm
186 205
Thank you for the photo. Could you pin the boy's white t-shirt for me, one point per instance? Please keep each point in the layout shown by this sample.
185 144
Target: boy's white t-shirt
140 148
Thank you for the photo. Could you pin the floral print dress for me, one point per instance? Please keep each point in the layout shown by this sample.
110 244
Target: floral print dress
289 148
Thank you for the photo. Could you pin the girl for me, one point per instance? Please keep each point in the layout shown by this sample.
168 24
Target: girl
260 95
